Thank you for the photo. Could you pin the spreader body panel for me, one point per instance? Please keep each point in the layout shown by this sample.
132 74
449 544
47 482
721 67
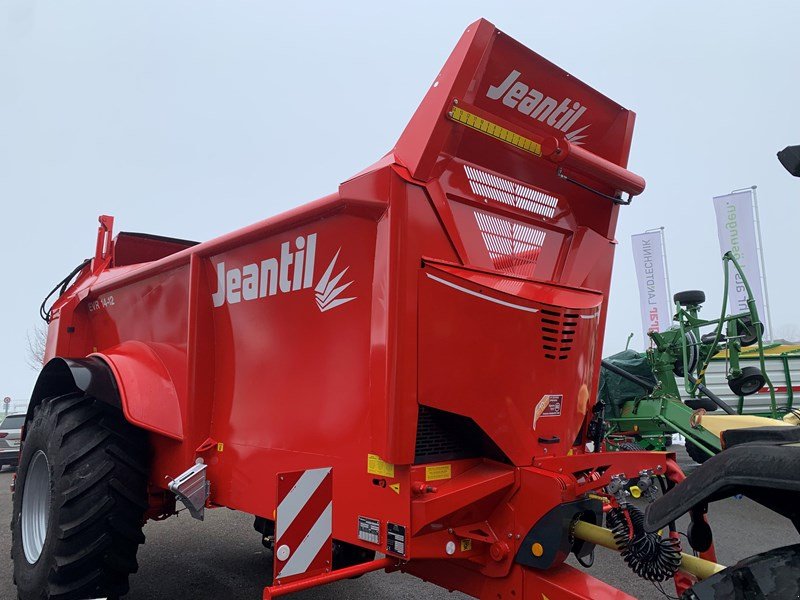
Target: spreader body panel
428 337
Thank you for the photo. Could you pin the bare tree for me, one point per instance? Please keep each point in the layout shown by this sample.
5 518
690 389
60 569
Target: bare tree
37 342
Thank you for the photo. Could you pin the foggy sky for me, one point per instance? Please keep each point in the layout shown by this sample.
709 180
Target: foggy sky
191 119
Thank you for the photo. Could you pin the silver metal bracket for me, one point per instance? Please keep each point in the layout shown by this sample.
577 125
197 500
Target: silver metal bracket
192 488
647 484
616 488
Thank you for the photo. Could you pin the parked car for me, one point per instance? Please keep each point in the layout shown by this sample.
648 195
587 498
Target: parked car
10 435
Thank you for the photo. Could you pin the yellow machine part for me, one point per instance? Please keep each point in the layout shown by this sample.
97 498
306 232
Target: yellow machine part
700 568
716 424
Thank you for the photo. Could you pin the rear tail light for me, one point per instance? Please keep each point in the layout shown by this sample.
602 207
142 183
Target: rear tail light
3 434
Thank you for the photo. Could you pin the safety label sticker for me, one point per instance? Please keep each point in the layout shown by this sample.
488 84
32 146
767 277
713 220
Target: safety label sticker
548 406
438 472
376 466
396 539
369 530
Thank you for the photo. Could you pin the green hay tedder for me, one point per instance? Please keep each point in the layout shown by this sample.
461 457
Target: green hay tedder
642 404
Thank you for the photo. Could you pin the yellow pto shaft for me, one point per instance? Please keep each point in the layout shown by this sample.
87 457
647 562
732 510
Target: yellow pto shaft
699 567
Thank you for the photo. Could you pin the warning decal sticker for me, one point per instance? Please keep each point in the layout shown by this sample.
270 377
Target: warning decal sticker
548 406
438 472
377 466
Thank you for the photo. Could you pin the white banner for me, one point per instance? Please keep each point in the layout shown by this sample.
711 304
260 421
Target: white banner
654 300
736 228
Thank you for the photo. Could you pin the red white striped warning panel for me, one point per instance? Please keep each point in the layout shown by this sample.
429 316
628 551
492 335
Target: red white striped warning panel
303 524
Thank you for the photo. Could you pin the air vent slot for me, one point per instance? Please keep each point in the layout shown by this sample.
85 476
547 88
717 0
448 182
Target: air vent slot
492 187
556 328
512 246
443 435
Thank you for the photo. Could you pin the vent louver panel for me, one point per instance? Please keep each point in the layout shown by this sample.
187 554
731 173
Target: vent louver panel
512 246
492 187
443 435
558 333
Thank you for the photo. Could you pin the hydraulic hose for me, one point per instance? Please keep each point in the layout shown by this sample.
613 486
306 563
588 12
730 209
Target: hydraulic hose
699 567
44 312
648 555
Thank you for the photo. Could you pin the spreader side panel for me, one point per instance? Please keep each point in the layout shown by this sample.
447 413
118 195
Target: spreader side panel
291 321
514 356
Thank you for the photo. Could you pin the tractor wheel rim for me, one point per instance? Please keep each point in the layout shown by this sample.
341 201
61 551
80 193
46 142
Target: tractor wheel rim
35 507
750 387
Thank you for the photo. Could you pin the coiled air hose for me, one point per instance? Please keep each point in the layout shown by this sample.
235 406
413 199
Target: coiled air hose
648 555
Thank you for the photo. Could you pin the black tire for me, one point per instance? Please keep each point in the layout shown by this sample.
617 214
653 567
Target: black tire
630 447
708 338
693 355
98 467
690 297
705 403
695 453
771 575
636 447
749 382
749 333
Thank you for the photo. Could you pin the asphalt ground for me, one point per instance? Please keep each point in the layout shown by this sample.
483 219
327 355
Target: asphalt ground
222 557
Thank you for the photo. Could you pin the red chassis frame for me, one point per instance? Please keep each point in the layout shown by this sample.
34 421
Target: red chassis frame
460 283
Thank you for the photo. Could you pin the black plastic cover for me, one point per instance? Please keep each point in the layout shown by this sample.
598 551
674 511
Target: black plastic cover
762 435
767 474
553 532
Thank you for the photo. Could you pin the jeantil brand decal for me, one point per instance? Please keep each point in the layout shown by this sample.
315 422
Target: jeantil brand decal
291 271
560 115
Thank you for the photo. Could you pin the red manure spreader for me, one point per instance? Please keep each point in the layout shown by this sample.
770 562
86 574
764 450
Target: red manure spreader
400 376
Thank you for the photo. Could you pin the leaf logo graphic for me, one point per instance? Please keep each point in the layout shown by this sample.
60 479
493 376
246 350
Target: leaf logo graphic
328 290
575 138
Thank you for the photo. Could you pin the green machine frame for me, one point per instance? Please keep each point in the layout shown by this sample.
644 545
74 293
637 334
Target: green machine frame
683 351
